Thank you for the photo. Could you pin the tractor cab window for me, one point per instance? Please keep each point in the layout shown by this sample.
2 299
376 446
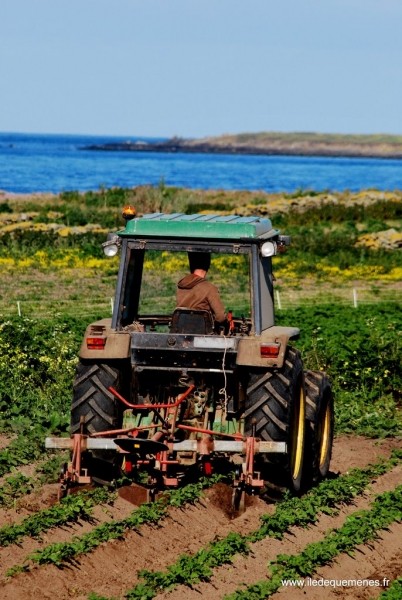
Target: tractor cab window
150 285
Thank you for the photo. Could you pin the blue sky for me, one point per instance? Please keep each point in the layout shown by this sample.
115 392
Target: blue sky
193 68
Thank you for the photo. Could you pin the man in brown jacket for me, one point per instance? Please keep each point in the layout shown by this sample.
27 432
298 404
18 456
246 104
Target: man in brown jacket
194 291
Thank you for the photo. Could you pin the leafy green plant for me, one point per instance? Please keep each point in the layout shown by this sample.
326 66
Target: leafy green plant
48 471
360 350
188 570
394 592
14 487
327 498
27 447
70 509
60 554
359 528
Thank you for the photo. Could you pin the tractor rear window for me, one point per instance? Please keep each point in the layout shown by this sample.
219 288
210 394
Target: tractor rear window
163 270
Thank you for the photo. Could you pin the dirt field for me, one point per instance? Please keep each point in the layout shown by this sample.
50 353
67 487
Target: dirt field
111 569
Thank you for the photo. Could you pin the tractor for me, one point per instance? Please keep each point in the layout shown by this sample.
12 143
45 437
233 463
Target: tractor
163 394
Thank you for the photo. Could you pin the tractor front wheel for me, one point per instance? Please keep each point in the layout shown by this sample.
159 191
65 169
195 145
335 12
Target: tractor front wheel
320 426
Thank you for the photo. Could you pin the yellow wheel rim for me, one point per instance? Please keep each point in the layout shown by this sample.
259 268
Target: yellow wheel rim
325 433
298 436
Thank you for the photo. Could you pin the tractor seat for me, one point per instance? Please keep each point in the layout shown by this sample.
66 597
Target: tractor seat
190 320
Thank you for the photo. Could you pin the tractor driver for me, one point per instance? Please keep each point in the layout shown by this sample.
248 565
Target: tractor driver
194 291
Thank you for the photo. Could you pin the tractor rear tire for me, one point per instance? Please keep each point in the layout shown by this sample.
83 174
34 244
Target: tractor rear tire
320 426
92 401
275 407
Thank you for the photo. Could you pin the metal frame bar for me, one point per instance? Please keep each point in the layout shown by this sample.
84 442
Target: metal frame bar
230 446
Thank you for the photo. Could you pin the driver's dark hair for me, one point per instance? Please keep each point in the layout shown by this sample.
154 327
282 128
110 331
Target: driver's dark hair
199 260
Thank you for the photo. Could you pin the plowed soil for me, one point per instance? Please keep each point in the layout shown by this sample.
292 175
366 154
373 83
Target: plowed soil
112 568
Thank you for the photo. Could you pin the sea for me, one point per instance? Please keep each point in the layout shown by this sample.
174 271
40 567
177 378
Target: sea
56 163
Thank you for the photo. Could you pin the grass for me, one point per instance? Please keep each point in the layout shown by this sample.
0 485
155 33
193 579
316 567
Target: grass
308 137
84 292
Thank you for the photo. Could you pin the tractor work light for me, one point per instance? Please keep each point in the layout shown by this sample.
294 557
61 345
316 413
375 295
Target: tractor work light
111 246
128 212
270 350
268 249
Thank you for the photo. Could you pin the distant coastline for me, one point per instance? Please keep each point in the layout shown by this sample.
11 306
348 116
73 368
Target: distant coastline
54 163
293 144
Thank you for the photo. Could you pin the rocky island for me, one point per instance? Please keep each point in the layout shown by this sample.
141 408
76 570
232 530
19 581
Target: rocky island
297 144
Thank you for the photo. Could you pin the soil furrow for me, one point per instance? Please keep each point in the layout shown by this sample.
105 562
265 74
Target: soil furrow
5 440
375 562
26 505
112 568
17 553
246 570
27 470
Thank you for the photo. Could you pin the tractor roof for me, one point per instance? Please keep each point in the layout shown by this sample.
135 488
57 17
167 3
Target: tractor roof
162 225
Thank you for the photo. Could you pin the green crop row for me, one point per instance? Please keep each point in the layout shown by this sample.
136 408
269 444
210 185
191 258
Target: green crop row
360 350
359 528
27 447
14 487
326 498
24 449
18 485
70 509
63 553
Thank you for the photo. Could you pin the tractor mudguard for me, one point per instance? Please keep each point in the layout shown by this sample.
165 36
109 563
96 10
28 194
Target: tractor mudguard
102 342
249 348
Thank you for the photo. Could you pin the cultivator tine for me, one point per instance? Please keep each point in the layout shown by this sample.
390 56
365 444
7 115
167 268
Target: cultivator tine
137 494
73 473
238 500
248 480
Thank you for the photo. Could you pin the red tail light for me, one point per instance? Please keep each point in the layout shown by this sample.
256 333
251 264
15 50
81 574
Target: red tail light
96 343
270 350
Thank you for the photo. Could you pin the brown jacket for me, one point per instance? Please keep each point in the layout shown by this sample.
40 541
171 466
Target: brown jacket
197 292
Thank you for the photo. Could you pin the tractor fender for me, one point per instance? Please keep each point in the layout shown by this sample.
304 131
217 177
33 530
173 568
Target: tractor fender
249 348
102 342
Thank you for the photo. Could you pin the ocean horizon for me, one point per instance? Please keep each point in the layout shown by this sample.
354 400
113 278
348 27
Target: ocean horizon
36 163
